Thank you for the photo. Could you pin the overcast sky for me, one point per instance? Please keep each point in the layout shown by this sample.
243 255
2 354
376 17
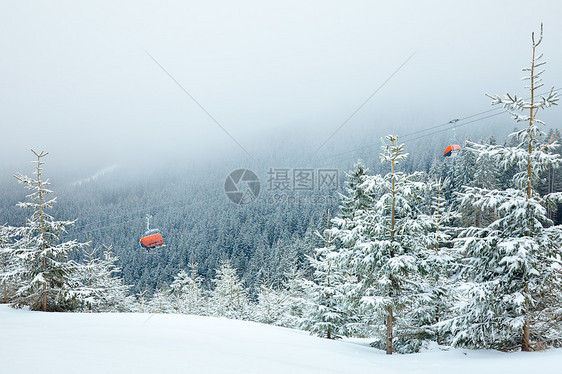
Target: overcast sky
75 78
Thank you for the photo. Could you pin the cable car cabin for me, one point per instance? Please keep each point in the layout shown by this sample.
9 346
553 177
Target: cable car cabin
152 239
452 150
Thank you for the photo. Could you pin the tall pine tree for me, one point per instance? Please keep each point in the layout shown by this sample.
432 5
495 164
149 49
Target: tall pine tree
47 282
512 265
325 317
229 296
187 293
385 245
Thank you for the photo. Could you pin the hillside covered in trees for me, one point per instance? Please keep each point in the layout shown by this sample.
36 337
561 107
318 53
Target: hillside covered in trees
463 250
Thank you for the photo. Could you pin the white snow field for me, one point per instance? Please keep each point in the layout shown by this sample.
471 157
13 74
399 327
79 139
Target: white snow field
35 342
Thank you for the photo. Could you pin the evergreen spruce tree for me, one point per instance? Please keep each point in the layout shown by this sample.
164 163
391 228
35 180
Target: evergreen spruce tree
10 266
436 169
229 296
553 182
85 275
463 169
271 303
512 265
141 305
187 293
161 301
434 301
297 298
486 173
102 289
325 317
47 282
354 203
385 245
355 198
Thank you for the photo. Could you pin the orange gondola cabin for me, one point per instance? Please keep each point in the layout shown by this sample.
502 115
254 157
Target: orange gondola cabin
452 150
152 239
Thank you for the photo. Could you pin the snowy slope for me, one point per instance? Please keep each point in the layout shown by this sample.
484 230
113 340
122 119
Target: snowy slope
143 343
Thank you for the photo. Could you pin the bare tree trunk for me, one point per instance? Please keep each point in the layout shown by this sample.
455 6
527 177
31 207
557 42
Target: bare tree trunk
44 297
44 287
389 331
389 327
525 342
41 216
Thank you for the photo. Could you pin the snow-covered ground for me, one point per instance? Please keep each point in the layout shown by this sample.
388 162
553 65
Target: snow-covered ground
164 343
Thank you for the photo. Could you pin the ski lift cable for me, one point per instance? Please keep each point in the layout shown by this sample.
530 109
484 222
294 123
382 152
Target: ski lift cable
456 125
451 124
122 223
454 122
336 157
105 227
114 217
432 133
82 231
130 213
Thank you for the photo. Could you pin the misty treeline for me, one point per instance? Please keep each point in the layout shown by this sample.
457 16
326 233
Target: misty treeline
328 278
462 250
198 222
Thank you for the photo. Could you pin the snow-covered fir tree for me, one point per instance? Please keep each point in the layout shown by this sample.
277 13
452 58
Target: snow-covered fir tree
485 174
326 315
442 214
354 203
434 300
161 302
324 318
187 293
271 305
356 198
297 298
142 301
385 245
102 289
10 266
512 266
463 169
229 296
47 282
